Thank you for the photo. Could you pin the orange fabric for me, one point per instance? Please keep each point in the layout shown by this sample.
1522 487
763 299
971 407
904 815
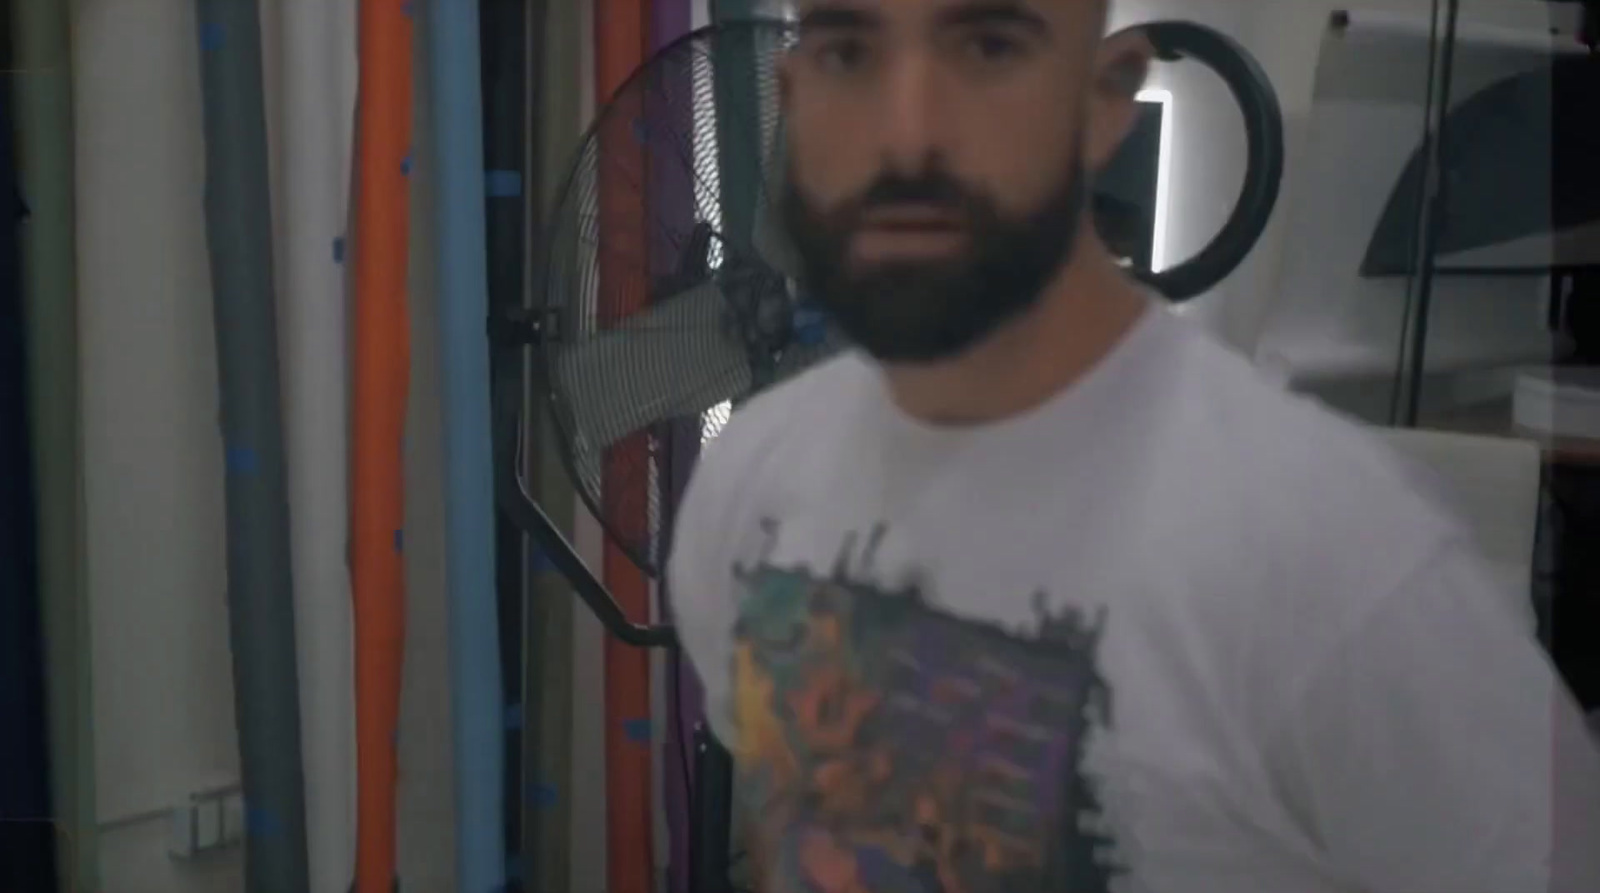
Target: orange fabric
382 371
621 45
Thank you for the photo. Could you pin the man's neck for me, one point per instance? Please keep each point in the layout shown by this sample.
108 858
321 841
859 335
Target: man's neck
1085 313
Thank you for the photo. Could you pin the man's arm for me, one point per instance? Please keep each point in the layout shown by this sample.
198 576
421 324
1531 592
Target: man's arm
1437 751
700 584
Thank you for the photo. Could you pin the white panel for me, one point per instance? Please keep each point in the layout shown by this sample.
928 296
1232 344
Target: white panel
153 450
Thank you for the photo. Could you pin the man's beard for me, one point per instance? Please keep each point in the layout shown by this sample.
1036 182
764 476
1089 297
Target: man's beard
924 311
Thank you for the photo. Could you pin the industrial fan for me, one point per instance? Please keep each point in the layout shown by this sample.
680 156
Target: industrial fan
666 290
666 294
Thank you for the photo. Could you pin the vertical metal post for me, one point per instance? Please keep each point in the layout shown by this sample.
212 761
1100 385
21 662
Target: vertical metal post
709 860
1407 403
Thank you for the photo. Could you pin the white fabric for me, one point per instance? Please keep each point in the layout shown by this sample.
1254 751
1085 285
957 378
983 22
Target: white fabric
1209 606
1492 485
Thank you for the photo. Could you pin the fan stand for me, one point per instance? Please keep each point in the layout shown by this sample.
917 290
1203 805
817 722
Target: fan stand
711 799
710 815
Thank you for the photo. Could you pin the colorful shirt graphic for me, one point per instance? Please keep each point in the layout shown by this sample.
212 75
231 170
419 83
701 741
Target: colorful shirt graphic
885 747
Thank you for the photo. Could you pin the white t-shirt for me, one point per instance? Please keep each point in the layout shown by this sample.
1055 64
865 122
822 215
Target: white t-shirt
1175 631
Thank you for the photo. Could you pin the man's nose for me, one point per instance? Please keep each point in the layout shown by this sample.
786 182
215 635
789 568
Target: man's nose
912 118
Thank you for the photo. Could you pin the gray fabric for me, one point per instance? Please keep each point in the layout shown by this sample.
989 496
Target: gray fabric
260 597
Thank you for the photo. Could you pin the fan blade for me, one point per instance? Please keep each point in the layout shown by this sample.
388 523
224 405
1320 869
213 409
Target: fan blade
676 359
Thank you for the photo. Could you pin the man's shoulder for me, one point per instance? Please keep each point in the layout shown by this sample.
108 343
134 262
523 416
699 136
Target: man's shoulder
1296 438
771 417
1321 490
1292 524
765 428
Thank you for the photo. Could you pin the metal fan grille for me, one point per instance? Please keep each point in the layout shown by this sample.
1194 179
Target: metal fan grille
641 218
713 420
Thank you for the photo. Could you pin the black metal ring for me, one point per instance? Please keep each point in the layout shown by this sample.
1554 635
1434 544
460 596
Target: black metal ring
1263 121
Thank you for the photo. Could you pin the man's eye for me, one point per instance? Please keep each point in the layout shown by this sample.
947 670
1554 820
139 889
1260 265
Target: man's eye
842 55
992 47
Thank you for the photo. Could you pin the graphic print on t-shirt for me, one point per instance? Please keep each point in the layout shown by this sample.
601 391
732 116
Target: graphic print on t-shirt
886 747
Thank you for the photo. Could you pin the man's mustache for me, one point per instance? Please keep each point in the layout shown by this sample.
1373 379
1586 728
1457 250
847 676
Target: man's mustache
928 190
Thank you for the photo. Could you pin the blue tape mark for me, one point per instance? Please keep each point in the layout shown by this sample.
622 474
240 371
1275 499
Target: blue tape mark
810 325
259 822
636 729
242 460
540 796
514 716
502 184
641 131
211 36
538 561
338 250
405 165
399 540
513 868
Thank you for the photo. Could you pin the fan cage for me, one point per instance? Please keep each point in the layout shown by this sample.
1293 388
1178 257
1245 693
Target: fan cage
661 132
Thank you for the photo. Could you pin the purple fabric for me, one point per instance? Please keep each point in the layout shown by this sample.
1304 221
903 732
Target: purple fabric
669 114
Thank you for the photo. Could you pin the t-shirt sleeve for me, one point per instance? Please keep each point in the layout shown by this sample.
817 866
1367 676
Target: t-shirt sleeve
1437 750
700 584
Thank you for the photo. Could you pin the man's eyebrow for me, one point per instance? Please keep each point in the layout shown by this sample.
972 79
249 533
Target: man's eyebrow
836 17
849 17
993 12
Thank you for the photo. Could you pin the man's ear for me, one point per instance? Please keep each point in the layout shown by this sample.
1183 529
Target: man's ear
1121 67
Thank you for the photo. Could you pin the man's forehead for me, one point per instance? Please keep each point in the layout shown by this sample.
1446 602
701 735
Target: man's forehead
1062 16
927 6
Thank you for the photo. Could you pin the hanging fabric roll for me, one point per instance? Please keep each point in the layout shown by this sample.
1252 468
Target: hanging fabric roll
315 76
476 701
672 205
260 591
382 377
622 29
